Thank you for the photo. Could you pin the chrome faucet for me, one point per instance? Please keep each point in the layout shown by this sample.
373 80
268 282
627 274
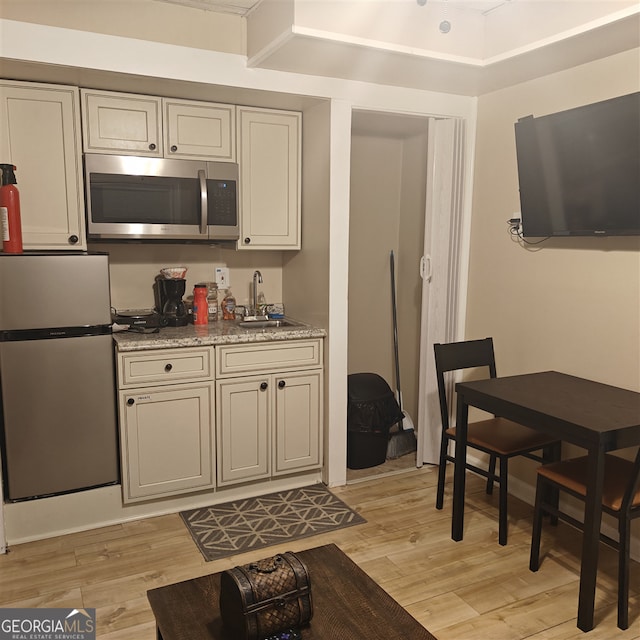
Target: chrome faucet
257 279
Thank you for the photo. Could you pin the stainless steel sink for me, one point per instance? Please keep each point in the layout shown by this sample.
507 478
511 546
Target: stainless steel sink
268 323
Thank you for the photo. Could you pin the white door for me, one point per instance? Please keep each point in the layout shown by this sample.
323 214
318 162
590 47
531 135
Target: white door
440 270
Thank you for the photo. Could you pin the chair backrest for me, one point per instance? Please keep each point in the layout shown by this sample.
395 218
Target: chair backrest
454 356
633 488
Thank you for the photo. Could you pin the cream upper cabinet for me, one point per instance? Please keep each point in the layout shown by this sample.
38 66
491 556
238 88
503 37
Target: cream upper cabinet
40 135
121 123
269 151
199 130
131 124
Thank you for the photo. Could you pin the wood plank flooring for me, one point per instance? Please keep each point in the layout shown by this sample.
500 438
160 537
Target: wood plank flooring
469 590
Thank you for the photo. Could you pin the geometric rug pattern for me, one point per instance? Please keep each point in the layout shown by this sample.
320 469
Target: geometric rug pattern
253 523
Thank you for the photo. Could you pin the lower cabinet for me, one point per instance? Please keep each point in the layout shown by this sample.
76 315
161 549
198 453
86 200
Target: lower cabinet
167 443
243 434
297 422
268 424
187 424
167 422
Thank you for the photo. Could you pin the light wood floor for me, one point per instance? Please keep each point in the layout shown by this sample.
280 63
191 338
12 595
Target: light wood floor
469 590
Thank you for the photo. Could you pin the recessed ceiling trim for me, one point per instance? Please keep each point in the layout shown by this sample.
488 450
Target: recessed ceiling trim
238 7
379 45
610 19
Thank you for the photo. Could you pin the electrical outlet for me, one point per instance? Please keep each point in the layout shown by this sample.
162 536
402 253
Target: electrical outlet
222 278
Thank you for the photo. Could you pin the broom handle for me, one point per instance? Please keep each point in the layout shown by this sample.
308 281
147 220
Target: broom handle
395 326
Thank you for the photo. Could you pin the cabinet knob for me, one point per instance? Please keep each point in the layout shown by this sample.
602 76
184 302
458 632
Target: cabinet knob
247 240
131 402
263 386
73 239
152 147
168 367
282 384
174 148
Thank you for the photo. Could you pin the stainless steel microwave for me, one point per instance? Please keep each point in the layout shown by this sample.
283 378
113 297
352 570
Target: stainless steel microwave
136 198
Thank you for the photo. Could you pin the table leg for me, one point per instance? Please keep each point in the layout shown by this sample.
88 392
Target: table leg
462 415
591 541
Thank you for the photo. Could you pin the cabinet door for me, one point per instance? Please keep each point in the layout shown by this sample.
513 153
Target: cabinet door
298 410
167 444
121 123
243 423
269 159
199 130
40 135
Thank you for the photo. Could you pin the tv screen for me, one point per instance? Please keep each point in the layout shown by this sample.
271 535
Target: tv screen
579 170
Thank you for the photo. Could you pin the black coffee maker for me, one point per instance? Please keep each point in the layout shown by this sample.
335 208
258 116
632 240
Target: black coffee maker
172 308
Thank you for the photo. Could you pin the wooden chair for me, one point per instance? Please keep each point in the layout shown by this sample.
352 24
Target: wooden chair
498 437
620 499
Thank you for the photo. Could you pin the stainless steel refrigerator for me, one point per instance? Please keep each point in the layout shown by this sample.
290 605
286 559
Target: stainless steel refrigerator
57 377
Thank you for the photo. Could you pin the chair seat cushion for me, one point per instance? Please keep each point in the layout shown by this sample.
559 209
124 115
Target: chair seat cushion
503 436
572 474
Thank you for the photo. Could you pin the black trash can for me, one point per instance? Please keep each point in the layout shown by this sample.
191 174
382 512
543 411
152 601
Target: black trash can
372 410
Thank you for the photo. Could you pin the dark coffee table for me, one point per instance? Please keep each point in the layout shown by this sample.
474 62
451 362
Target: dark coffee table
347 605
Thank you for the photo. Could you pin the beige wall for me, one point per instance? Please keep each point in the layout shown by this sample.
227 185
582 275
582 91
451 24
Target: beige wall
570 305
374 219
134 267
142 19
567 304
388 177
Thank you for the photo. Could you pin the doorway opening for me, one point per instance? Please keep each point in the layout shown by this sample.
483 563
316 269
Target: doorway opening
387 213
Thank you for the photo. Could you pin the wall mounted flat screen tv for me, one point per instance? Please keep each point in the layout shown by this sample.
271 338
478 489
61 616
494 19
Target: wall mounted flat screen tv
579 170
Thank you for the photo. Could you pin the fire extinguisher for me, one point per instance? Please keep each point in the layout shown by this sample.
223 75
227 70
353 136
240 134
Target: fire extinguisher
10 211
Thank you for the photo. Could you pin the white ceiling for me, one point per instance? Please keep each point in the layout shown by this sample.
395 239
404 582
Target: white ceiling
492 44
243 7
240 7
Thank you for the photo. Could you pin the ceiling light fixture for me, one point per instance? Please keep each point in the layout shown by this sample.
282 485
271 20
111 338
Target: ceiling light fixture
421 2
445 25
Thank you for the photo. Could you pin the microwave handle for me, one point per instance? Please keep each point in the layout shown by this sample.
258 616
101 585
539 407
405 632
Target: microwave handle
203 200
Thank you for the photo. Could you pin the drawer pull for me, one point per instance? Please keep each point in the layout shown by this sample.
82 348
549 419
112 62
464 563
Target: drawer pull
168 367
263 386
282 384
131 402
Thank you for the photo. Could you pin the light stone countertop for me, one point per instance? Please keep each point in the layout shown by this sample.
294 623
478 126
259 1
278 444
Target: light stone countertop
222 332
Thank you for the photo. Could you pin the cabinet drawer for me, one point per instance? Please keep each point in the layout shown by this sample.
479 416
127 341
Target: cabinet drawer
271 357
165 367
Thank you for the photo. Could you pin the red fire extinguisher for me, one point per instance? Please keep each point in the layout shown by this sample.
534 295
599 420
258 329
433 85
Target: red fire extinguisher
10 211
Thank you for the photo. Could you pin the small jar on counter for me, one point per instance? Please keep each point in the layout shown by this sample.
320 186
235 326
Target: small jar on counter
212 302
229 306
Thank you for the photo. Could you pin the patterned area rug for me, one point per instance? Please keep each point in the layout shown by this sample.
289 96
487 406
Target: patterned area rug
235 527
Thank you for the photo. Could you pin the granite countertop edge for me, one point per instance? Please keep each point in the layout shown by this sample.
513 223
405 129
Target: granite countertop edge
210 335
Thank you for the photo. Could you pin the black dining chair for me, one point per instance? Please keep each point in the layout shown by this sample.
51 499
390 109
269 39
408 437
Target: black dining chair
620 499
501 439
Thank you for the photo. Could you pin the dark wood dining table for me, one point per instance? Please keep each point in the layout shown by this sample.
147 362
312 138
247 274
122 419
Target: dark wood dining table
595 416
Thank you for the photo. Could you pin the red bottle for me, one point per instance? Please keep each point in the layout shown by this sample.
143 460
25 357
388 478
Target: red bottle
200 304
10 211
